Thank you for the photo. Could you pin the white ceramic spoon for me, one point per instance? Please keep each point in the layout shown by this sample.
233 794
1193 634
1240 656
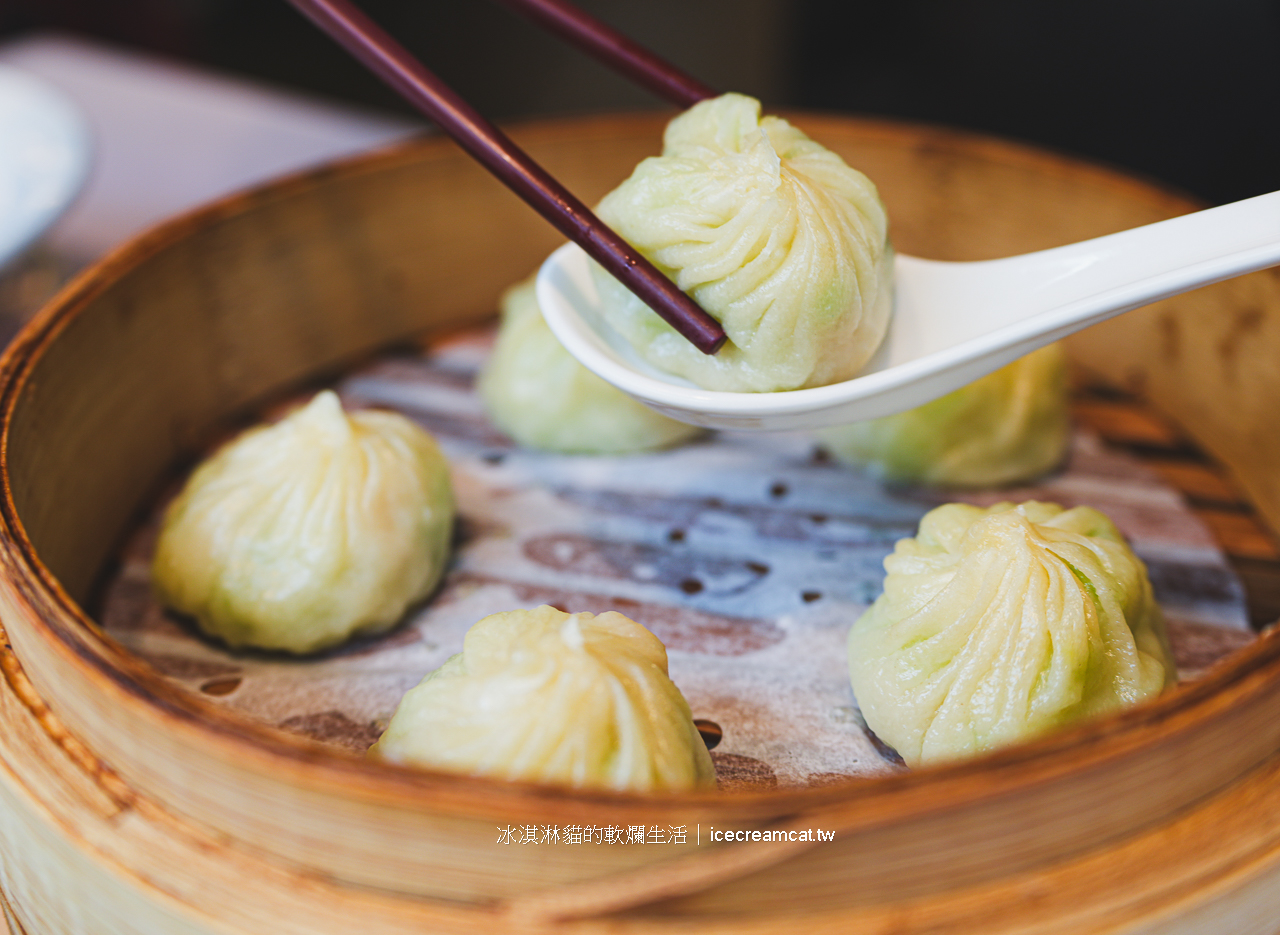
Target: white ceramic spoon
952 322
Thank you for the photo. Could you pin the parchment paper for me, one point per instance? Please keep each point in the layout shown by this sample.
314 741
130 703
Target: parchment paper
749 555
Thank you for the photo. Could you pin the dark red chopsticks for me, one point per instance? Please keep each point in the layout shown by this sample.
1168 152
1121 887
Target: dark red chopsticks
614 49
390 61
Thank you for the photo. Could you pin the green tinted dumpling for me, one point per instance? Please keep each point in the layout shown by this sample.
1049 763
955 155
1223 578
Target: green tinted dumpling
536 392
299 535
773 234
1009 426
997 625
545 696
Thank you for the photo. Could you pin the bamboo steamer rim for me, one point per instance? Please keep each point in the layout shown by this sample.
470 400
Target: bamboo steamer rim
1249 676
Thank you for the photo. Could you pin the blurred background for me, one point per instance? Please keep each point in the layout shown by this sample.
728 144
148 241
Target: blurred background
1182 91
187 100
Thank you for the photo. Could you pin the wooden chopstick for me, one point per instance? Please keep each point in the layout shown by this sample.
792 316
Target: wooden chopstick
390 61
611 47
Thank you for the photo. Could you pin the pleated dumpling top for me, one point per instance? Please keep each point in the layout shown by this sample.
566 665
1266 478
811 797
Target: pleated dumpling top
299 535
545 696
999 624
773 234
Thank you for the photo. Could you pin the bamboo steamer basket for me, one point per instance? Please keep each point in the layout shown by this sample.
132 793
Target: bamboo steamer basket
129 805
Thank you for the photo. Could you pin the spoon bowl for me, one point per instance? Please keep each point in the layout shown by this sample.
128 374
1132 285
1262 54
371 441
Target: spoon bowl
952 322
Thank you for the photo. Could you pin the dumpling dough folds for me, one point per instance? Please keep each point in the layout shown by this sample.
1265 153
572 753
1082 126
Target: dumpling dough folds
1007 427
771 233
298 535
536 392
1000 624
545 696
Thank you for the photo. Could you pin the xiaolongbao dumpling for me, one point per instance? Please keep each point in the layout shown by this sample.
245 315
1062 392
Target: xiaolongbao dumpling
1009 426
298 535
537 393
546 696
774 235
999 624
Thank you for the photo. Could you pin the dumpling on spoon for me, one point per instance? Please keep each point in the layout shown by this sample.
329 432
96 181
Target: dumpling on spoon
773 234
536 392
997 625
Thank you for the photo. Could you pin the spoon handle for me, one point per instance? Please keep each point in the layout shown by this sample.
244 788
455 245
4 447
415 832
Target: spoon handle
390 61
1021 302
1113 274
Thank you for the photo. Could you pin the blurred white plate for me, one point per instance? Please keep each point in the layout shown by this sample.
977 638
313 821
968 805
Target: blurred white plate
44 157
